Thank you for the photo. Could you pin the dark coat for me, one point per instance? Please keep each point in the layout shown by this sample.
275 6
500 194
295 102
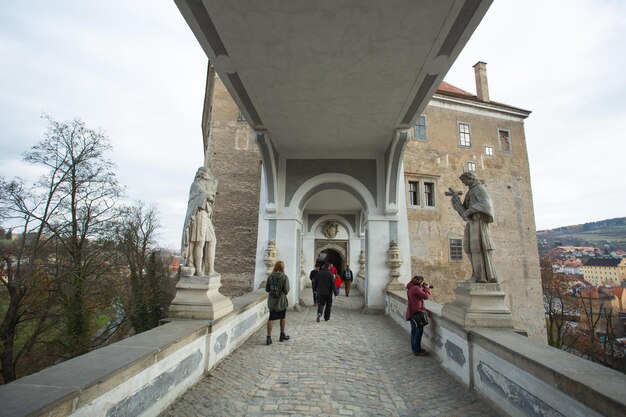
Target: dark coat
280 303
325 282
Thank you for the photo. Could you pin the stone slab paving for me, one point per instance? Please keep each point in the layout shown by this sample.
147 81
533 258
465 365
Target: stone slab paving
352 365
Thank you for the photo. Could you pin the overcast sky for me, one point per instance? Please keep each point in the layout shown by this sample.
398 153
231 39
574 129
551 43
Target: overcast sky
134 69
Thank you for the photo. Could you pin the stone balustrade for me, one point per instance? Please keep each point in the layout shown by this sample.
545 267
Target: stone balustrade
520 376
140 375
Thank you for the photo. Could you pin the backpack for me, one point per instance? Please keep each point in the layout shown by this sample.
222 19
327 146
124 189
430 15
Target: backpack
274 290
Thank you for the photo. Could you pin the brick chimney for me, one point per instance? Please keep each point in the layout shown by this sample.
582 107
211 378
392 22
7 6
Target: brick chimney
482 88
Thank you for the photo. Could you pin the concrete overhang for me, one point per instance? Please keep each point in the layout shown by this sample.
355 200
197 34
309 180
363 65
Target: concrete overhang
335 76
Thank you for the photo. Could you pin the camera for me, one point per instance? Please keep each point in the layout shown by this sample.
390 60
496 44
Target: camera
425 285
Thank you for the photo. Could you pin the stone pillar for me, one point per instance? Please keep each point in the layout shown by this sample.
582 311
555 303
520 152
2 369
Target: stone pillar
394 262
478 305
198 298
377 272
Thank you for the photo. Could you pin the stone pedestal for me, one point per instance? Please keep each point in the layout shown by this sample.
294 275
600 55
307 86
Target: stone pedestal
394 262
478 305
198 298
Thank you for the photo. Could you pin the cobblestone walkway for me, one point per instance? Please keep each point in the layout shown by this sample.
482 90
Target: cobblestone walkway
352 365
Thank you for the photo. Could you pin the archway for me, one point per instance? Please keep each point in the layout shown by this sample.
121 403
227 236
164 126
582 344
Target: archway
334 258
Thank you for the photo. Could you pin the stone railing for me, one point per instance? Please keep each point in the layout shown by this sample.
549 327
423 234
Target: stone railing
141 375
517 375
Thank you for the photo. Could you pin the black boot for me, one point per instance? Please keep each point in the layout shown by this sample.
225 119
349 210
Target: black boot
269 340
283 337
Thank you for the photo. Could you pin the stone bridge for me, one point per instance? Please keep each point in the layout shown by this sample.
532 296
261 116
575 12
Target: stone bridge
355 364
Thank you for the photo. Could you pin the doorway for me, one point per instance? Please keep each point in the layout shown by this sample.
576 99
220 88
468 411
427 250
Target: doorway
334 257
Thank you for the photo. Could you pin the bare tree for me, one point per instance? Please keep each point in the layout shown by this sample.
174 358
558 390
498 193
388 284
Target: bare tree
559 305
63 219
151 286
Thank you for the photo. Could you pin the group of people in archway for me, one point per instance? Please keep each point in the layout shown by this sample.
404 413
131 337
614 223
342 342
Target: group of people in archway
326 282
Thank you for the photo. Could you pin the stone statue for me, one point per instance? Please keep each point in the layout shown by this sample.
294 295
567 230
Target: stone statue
198 244
477 210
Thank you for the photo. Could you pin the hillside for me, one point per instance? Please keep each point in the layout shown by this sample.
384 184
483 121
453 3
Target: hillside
611 232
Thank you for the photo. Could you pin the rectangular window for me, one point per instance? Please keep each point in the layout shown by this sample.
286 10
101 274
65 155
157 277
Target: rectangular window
241 117
489 150
456 249
419 128
471 166
414 199
504 136
464 135
429 194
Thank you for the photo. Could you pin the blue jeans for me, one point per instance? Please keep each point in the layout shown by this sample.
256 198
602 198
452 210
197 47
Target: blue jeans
416 337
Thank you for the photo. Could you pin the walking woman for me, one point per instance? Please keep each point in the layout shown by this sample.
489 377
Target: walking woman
417 291
277 285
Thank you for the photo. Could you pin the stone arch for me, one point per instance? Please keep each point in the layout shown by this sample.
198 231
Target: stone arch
333 182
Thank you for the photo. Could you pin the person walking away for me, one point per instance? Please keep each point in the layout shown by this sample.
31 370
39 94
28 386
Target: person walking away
416 291
313 278
277 285
347 278
325 291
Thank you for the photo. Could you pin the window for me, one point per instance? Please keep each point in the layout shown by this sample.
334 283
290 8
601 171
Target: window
471 166
464 135
456 249
489 150
419 128
241 117
429 194
504 136
414 199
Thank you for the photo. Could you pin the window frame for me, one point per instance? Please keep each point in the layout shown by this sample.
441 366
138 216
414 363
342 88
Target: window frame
458 248
417 193
490 148
510 150
429 198
469 164
417 125
465 138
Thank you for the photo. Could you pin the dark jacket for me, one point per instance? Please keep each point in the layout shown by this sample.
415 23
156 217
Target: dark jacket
415 299
325 282
347 275
280 303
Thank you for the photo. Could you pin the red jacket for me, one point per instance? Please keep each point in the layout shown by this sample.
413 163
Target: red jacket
415 299
337 281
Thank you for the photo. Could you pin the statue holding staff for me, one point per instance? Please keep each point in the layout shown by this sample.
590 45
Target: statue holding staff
477 211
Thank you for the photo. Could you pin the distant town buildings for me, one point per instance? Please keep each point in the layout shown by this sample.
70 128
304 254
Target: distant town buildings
605 271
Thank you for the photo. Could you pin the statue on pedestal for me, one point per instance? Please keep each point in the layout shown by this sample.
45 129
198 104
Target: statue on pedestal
477 210
199 241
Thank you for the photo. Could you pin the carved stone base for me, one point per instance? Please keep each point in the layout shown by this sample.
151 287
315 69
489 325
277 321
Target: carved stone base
198 298
395 286
478 305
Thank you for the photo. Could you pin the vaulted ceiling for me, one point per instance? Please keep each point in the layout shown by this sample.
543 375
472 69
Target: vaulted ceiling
337 75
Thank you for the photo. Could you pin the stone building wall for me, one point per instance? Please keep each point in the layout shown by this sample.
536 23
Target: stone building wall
234 158
440 160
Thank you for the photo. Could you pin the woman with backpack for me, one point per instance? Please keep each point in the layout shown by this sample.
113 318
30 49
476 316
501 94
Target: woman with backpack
277 285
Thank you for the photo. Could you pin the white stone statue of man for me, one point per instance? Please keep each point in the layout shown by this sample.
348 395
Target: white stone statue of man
199 242
477 210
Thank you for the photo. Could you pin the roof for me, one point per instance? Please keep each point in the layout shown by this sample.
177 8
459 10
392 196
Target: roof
606 262
450 90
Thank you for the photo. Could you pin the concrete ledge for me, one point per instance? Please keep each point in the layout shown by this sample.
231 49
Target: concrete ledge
140 375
